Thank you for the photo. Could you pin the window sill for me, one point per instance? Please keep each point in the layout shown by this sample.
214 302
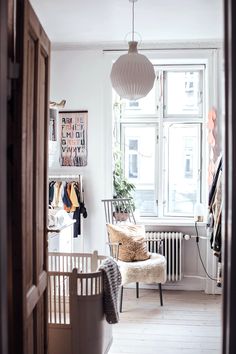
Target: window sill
186 226
169 221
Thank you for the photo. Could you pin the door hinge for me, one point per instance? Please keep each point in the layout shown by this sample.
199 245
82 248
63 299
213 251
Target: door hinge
13 70
13 74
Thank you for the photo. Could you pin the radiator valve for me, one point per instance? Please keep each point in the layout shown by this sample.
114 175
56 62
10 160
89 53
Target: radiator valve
187 237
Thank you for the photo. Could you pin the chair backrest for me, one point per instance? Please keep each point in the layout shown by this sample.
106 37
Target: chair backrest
118 210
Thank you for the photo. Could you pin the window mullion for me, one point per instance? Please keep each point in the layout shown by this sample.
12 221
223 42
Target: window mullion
160 156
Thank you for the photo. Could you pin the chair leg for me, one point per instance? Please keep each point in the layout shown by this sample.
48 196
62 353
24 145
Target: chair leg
121 297
137 290
160 291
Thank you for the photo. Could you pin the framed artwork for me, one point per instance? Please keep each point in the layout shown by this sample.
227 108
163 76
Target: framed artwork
73 138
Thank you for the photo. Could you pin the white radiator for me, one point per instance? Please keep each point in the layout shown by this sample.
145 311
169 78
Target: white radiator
170 245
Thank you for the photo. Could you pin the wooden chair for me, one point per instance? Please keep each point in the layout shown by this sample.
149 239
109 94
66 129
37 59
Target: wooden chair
119 210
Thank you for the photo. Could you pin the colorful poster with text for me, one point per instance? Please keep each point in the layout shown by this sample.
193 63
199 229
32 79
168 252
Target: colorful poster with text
73 136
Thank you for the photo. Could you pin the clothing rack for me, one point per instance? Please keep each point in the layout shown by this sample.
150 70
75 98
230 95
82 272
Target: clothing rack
67 178
71 178
63 176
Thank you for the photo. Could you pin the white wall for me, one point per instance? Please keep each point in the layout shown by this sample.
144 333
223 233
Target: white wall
78 77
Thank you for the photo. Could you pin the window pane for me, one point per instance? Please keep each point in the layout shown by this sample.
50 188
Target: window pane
139 155
133 144
183 168
183 93
133 166
144 106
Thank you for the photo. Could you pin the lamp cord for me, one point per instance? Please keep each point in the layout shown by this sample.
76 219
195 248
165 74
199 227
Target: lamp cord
133 21
199 253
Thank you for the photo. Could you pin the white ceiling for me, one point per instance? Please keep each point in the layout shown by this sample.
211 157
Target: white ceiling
91 22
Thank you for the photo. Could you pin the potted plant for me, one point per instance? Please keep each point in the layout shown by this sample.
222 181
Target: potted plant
122 189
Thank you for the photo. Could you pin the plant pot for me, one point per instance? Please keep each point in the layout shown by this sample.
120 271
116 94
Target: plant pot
122 216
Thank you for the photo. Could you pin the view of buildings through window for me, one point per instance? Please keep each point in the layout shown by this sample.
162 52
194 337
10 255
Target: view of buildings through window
160 137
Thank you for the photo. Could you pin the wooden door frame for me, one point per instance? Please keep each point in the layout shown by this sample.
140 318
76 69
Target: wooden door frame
229 217
3 178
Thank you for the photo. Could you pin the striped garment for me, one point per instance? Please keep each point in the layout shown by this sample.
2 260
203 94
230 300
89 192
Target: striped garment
111 283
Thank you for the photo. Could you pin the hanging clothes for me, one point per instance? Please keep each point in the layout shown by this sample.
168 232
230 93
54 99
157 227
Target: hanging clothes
214 183
51 192
71 194
73 197
214 217
81 210
57 201
68 196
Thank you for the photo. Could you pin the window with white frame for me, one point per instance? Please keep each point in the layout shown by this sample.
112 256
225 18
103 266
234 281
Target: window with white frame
160 137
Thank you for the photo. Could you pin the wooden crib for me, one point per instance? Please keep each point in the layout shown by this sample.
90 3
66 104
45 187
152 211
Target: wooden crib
75 305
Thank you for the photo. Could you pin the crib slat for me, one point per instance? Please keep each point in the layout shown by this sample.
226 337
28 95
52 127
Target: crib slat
50 300
54 291
76 263
81 286
96 286
91 286
64 300
63 263
59 297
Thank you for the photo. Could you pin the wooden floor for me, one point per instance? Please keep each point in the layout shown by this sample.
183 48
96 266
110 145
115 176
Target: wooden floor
188 323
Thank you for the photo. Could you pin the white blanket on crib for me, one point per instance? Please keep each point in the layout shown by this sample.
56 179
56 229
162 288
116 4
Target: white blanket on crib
111 283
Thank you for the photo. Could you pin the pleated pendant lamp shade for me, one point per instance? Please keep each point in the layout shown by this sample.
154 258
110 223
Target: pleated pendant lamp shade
132 75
